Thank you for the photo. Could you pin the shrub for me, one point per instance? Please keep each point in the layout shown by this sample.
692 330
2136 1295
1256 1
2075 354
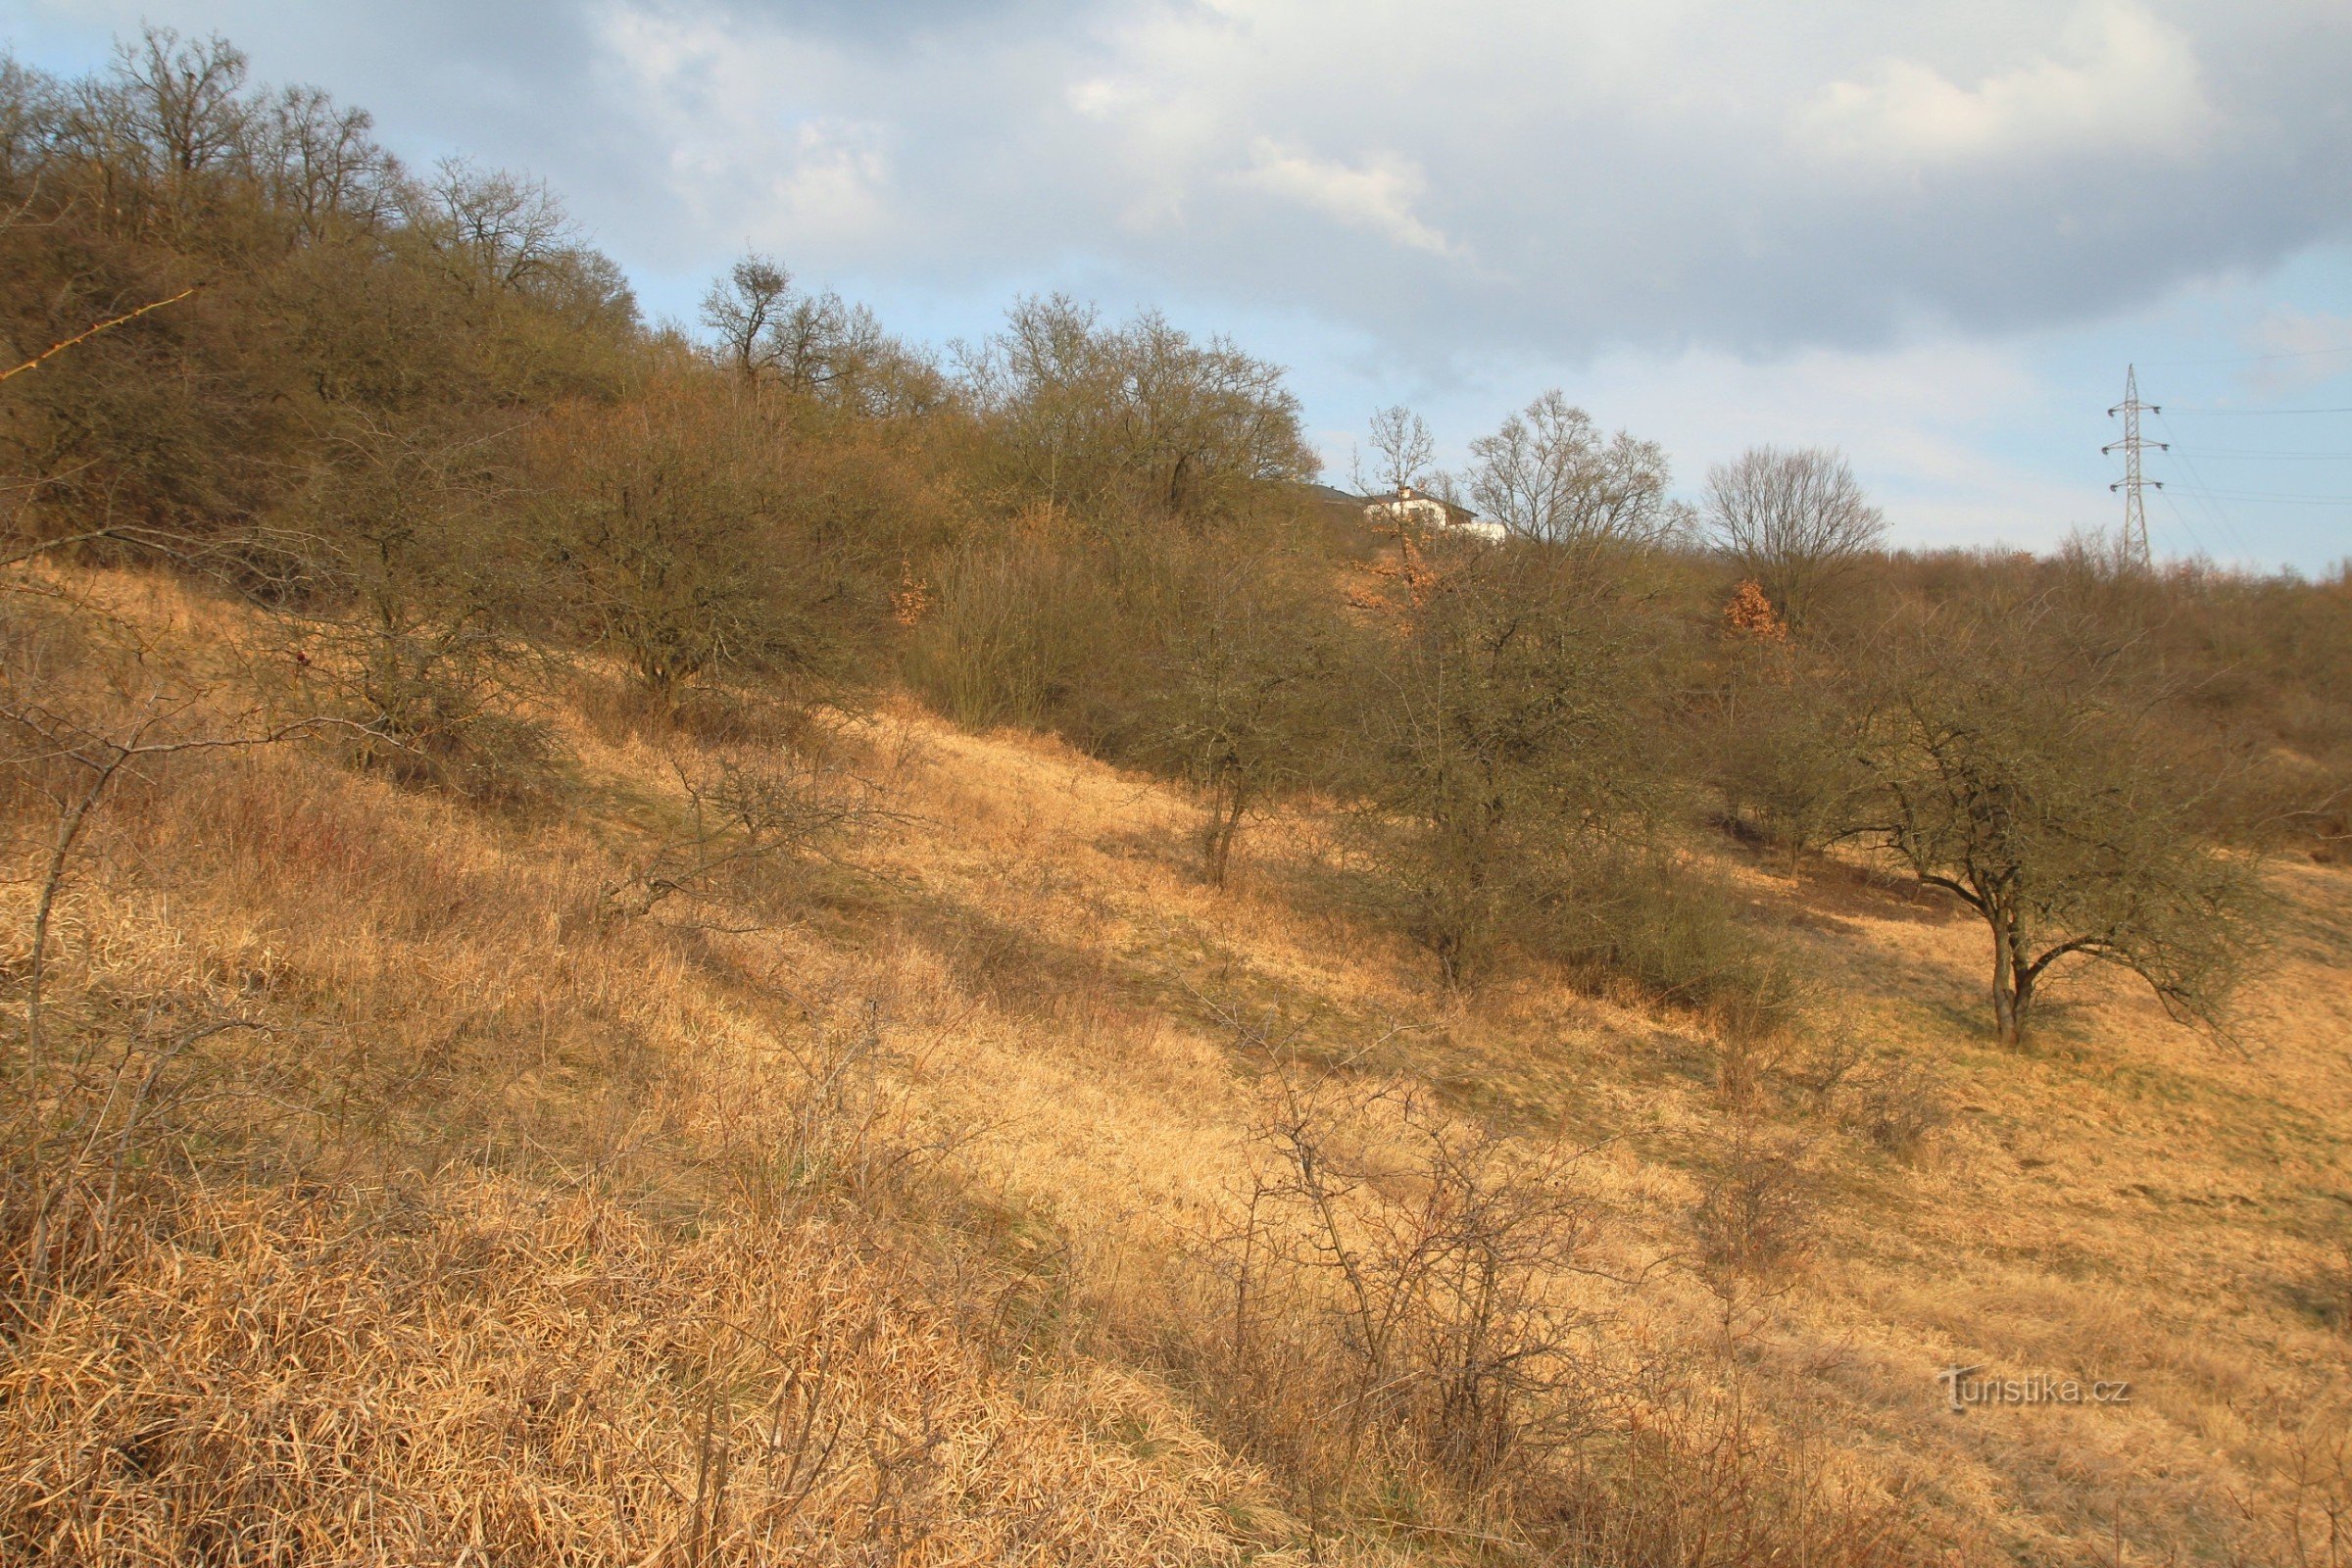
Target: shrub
1757 1205
1392 1293
1788 749
1500 731
678 539
1898 1105
1635 915
1020 634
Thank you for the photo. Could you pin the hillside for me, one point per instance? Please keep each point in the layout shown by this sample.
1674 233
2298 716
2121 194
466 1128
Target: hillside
754 942
561 1181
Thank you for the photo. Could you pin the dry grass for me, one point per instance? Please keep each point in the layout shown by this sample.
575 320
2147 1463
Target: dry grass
479 1369
855 1210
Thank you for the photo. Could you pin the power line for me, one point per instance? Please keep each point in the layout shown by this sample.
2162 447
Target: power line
2204 492
2181 517
2135 506
2255 414
2279 500
2212 453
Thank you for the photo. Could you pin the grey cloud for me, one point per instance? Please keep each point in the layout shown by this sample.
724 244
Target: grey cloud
1553 177
892 23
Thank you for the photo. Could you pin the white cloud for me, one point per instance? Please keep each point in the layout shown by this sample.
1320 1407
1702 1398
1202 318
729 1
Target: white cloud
2136 83
1376 195
739 154
1096 98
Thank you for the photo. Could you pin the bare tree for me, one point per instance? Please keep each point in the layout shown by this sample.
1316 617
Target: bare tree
824 344
816 345
319 163
1795 521
407 618
1243 686
498 227
1500 734
1548 474
1403 442
185 98
680 542
1140 417
742 308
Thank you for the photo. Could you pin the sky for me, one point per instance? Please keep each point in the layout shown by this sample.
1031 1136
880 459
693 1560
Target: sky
1932 235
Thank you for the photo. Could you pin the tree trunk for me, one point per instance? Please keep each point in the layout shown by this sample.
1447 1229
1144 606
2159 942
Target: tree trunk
1224 826
2004 978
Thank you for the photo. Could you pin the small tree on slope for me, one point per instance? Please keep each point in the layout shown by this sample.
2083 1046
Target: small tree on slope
2023 774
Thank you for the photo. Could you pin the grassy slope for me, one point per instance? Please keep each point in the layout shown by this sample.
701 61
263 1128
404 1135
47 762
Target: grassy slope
2122 1201
535 1204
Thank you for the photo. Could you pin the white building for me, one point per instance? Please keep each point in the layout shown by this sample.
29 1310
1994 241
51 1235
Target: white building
1429 513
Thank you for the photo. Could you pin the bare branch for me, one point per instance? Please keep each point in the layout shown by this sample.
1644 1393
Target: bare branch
105 325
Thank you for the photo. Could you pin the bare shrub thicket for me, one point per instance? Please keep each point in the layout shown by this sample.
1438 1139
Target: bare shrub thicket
1244 693
1399 1294
1757 1205
1898 1104
405 618
1424 1326
1498 733
1789 747
1632 917
745 824
1023 632
677 539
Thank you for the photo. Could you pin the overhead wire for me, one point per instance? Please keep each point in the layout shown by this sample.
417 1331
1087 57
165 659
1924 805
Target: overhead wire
2251 413
2199 489
2209 502
2181 517
2274 496
2213 454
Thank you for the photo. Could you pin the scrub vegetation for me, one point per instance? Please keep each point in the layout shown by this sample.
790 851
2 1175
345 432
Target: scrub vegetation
744 944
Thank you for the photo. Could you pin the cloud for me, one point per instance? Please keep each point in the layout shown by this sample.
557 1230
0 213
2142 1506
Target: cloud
1376 196
2136 85
733 152
1599 177
1565 176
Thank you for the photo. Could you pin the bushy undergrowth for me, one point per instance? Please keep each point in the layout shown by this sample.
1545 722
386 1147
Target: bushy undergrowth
1677 937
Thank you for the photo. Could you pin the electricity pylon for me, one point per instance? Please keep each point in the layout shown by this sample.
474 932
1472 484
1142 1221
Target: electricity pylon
2135 509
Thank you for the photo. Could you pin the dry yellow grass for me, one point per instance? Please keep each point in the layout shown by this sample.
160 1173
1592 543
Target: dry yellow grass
854 1212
